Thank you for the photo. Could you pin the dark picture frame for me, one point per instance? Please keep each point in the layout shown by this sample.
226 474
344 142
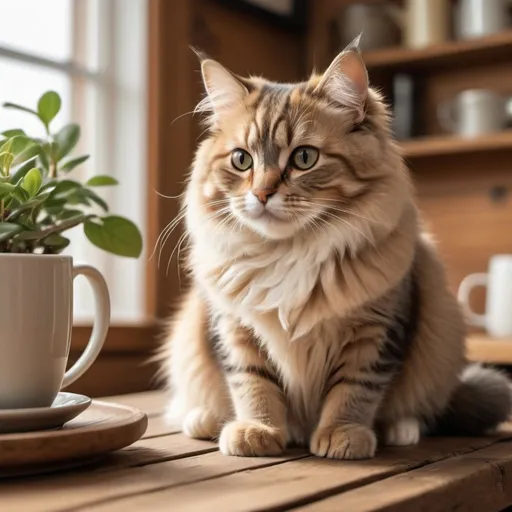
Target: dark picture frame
287 13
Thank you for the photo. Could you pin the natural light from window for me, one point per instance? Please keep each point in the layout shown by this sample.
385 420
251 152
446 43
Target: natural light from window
92 52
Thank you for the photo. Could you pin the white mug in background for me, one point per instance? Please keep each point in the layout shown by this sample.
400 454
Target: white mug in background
474 112
36 318
497 319
426 22
478 18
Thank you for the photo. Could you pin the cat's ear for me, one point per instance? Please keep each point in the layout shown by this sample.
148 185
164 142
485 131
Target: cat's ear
224 91
346 79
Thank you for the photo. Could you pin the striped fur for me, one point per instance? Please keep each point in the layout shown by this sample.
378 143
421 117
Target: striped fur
322 317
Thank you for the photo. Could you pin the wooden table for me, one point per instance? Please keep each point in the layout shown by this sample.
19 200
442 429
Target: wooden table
166 471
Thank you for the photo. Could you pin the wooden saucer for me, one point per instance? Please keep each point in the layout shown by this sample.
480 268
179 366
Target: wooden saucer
102 428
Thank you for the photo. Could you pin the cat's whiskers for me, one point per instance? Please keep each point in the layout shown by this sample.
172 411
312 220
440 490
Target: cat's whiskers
169 229
169 226
180 240
179 196
322 212
342 210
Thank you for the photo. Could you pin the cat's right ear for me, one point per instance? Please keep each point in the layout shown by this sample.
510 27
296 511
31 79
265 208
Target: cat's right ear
224 91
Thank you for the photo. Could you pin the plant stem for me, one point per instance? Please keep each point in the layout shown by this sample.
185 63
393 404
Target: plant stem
52 172
2 210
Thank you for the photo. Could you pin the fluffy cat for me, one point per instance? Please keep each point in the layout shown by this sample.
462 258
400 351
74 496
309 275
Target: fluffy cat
319 312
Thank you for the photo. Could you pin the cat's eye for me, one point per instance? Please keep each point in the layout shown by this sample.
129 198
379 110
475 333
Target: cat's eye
241 160
304 157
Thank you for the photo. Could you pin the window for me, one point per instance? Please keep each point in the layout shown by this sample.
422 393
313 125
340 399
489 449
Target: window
93 53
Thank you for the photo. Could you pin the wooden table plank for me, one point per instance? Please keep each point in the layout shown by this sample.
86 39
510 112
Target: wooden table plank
77 490
157 449
160 426
479 481
165 468
296 482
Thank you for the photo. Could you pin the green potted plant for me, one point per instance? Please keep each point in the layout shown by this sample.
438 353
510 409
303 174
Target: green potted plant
39 202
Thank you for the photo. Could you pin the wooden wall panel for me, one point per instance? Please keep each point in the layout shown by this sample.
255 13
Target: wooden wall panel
467 204
245 44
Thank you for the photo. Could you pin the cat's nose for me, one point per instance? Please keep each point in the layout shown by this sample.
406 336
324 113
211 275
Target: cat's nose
264 194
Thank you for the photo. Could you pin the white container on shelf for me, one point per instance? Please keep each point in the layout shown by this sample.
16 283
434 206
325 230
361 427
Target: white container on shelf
427 22
478 18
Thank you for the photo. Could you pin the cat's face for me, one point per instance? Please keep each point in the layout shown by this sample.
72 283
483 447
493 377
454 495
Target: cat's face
286 158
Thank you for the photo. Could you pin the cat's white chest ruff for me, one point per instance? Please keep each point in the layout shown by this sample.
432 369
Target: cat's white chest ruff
262 283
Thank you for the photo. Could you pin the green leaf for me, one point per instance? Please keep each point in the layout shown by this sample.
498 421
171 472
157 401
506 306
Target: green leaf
95 198
15 106
116 235
74 162
21 195
6 146
43 159
6 160
21 172
31 235
32 182
6 189
69 214
55 207
66 139
102 181
48 107
76 197
8 230
20 143
62 187
34 215
23 149
56 242
13 133
26 204
8 227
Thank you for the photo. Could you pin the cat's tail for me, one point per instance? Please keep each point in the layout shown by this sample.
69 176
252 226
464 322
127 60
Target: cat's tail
480 403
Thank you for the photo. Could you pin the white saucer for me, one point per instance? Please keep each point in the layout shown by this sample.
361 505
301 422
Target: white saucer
64 408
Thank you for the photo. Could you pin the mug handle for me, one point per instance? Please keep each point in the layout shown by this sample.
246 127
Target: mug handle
467 284
101 322
445 111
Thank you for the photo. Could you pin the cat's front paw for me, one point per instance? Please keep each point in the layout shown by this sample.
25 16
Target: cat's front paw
251 438
201 423
347 441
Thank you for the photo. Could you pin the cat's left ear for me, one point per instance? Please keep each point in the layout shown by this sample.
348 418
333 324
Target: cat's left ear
224 91
346 80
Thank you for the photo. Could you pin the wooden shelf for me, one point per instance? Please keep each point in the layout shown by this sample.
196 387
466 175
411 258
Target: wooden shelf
454 53
451 145
481 348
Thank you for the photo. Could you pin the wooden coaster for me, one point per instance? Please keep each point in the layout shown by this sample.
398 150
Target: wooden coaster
102 428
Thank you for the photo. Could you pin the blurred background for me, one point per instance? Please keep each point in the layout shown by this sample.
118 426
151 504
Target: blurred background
126 74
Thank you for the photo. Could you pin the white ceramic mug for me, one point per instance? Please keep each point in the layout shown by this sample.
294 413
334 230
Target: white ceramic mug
36 319
477 18
474 112
497 319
